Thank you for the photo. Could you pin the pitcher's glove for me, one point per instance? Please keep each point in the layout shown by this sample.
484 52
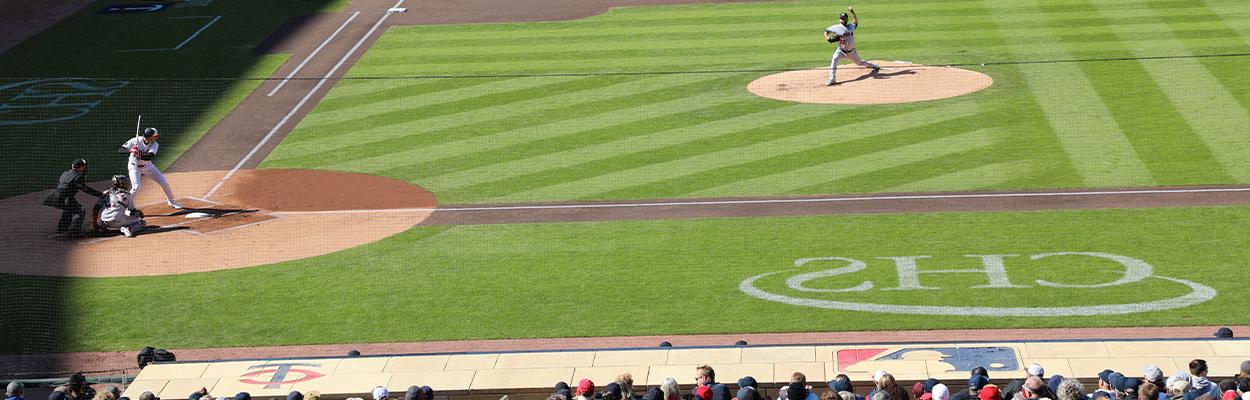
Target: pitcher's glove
835 39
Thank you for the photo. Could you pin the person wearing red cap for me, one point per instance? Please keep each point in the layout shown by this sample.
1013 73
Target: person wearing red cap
989 392
585 390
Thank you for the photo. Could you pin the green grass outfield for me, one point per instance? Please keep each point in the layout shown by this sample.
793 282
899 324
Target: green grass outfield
585 133
594 136
666 277
183 92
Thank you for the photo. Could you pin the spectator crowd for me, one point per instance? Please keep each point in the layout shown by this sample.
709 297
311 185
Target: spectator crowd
1150 384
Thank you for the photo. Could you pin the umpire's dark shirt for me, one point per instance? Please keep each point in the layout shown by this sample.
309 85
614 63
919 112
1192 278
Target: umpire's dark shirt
69 185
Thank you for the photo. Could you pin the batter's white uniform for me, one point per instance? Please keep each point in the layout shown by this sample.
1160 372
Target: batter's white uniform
116 212
137 168
846 48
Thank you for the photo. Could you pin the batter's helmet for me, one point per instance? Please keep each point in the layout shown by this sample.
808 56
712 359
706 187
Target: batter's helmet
151 133
78 162
121 181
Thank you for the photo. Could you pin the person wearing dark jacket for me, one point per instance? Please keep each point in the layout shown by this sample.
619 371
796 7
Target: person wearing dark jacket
63 198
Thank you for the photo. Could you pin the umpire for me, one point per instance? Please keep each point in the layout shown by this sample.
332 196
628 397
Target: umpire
62 198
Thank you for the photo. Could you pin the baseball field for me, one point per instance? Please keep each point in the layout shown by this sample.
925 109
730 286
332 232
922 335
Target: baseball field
645 108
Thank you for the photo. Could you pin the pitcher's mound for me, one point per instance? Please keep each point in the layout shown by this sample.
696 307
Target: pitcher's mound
896 82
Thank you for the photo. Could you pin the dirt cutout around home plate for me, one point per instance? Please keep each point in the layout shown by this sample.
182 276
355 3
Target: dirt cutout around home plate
896 82
256 217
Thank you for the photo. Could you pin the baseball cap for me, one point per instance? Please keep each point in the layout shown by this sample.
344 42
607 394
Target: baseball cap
918 389
841 385
989 392
980 371
747 381
613 388
142 396
585 386
1130 386
237 396
1245 366
1100 394
1151 373
1229 395
1245 396
1116 380
941 392
976 382
195 396
1105 375
295 395
929 384
1035 369
380 392
876 376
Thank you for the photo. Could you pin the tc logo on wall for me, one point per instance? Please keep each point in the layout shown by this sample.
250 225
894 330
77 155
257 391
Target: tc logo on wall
858 294
280 374
944 359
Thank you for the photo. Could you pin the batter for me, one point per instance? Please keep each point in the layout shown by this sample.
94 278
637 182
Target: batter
142 150
842 35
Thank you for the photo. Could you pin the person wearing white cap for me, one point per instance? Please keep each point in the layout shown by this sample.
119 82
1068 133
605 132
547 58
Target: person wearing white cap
380 393
1153 374
1014 386
941 392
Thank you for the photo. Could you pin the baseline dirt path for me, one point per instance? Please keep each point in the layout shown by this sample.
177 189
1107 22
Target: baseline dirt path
852 204
124 361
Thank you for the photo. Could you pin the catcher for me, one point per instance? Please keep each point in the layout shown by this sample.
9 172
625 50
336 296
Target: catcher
842 35
119 210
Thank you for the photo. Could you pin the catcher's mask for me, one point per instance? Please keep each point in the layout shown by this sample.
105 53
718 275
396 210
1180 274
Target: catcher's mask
78 162
121 182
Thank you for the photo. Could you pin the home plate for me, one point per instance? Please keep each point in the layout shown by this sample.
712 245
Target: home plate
198 215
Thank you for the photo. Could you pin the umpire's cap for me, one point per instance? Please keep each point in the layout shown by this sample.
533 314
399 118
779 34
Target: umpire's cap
78 162
151 133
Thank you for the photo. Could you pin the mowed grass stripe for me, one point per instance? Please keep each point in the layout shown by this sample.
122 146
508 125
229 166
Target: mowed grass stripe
1203 101
794 181
408 100
1165 86
625 146
590 187
1096 147
980 177
1126 88
527 103
599 46
387 90
484 143
341 135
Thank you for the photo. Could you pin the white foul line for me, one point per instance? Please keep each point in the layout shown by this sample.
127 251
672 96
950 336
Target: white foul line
297 106
184 42
775 201
197 33
311 55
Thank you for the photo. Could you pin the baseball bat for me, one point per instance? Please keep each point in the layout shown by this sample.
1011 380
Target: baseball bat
137 122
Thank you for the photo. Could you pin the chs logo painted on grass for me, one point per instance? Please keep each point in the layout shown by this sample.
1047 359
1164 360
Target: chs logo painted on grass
52 100
992 265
